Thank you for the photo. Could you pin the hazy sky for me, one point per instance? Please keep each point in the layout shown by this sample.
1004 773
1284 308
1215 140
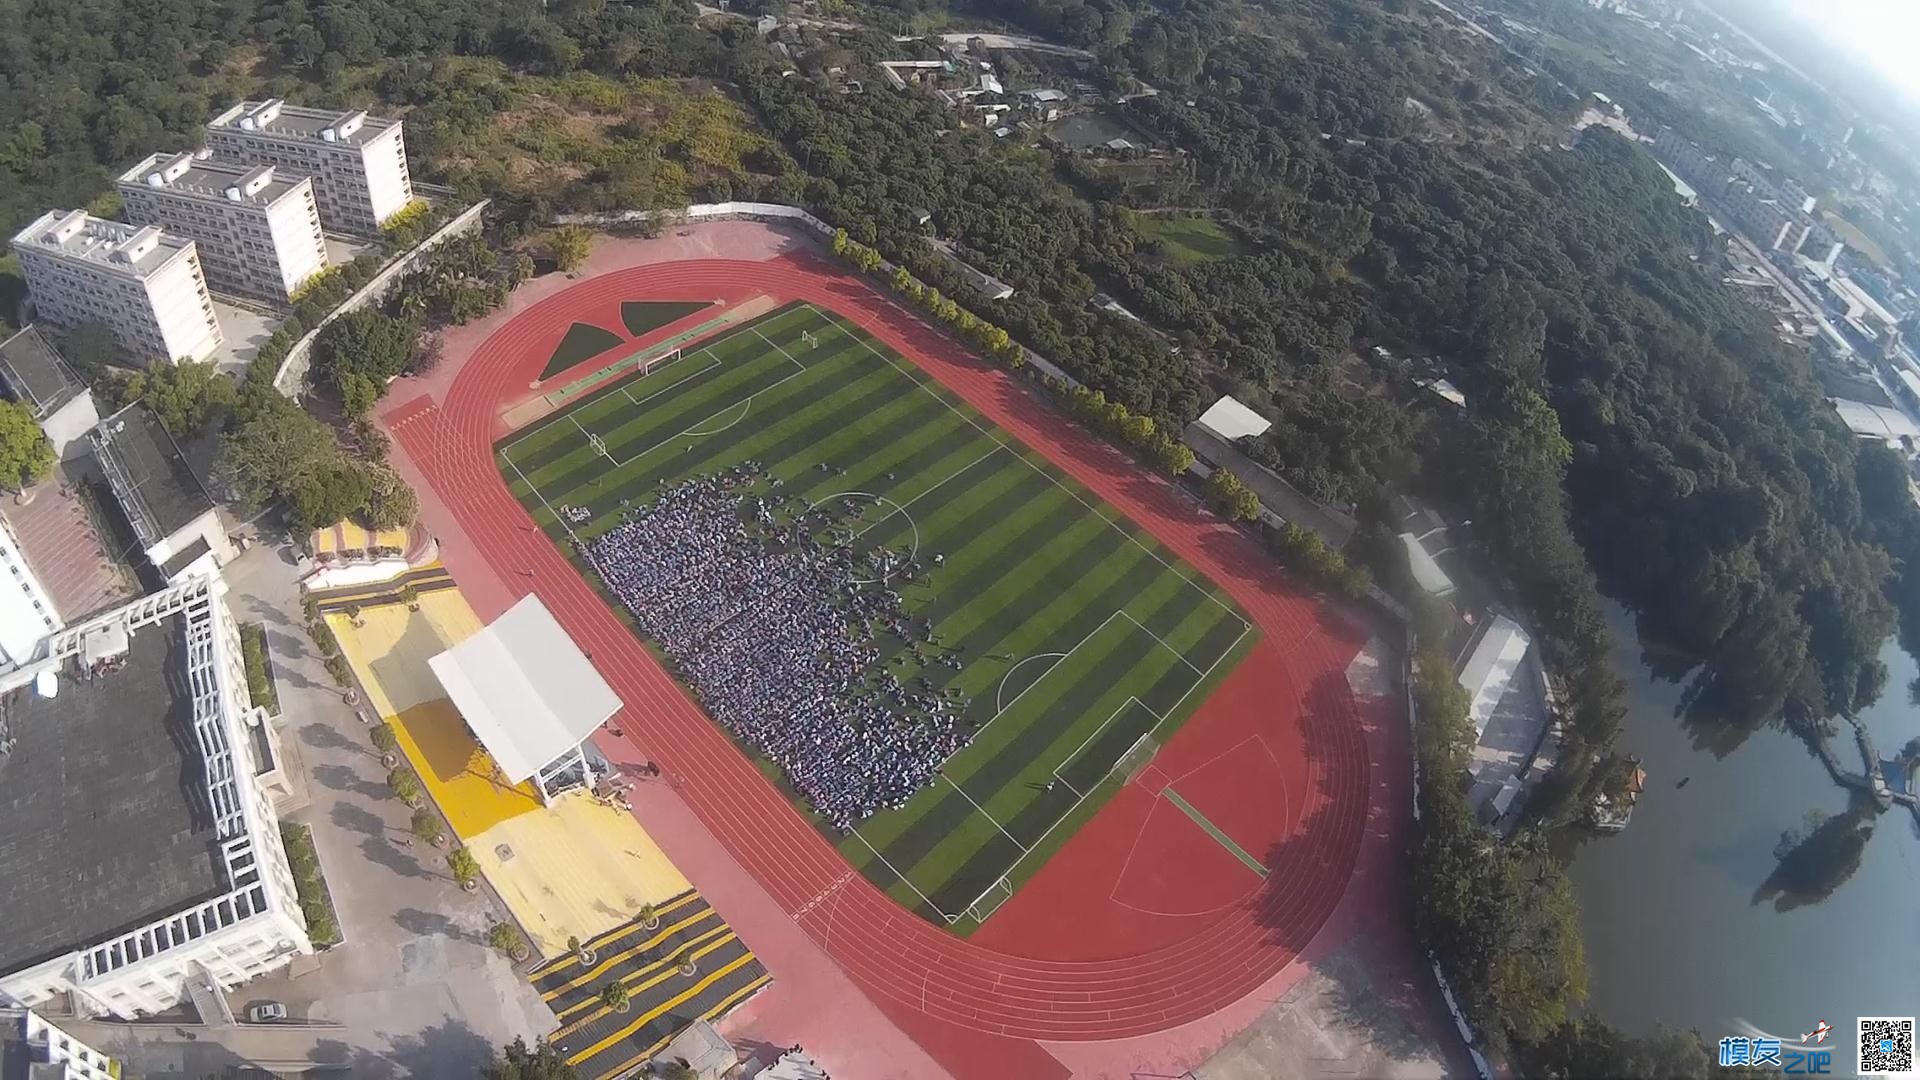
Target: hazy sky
1886 33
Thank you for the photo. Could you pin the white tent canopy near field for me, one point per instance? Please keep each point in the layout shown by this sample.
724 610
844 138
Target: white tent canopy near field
530 696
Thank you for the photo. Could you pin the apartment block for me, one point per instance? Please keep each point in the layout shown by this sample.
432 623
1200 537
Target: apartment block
257 226
358 162
143 283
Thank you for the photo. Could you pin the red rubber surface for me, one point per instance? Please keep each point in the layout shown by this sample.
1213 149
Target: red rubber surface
1059 962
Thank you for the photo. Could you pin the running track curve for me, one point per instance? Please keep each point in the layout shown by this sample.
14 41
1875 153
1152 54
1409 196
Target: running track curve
885 949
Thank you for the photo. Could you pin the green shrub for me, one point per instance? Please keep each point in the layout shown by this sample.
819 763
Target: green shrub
310 886
253 655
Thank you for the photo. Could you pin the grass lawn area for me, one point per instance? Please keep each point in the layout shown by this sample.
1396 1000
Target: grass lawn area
1187 240
1081 642
645 316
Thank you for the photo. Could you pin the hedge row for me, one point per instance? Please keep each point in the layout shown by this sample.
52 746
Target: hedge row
316 903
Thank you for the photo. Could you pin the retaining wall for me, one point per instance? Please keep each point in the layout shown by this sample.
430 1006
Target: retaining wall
291 379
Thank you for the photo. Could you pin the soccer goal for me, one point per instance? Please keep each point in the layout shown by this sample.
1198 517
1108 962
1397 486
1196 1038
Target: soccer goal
989 902
1111 749
649 366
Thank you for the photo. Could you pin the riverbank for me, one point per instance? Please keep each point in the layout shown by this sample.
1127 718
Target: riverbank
1759 891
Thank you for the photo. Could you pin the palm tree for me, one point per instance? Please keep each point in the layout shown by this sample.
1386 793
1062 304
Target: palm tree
689 964
352 612
580 952
410 596
616 997
649 917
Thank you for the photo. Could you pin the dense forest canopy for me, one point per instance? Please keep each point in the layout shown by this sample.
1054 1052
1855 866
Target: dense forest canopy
1574 299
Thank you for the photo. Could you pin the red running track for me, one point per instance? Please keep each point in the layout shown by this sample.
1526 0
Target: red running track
1005 990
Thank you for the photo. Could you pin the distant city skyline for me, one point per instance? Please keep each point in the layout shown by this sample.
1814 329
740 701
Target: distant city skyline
1883 32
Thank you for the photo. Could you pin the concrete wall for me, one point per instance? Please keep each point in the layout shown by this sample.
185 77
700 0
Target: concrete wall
291 379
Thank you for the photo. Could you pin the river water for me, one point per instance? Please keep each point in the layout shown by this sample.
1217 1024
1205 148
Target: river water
1690 918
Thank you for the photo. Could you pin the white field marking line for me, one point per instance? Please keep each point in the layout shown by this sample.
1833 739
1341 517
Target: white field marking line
902 507
924 898
704 350
777 348
535 488
693 431
593 439
998 713
982 917
1041 841
1177 654
897 508
712 362
1001 691
868 345
1132 699
715 431
983 813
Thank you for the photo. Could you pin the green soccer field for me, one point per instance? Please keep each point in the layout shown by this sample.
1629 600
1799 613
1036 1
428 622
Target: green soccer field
1083 643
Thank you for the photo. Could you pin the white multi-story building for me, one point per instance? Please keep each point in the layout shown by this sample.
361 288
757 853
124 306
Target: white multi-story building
27 613
140 858
358 162
46 1050
144 284
257 226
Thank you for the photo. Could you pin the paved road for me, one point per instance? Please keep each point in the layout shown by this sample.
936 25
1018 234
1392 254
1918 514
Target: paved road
414 991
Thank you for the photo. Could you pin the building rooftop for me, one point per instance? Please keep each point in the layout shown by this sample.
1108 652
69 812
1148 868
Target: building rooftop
35 375
203 176
104 823
275 117
110 245
150 478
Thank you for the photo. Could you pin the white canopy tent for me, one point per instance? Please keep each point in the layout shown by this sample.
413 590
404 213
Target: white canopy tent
529 695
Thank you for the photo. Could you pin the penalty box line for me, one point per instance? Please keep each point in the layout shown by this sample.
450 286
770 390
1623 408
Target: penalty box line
1081 797
659 364
694 430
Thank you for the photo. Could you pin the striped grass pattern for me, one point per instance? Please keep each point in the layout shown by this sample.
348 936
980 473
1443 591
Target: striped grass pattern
1078 634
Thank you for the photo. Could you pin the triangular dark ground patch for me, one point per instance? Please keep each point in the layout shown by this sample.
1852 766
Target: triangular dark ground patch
583 342
642 316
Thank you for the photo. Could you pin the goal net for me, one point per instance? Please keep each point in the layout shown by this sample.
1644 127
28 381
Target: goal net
989 902
649 366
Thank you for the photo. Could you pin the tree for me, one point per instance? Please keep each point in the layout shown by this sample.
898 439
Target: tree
568 246
359 352
427 826
385 741
616 997
26 456
1232 497
649 917
390 502
187 397
508 939
465 868
280 452
542 1062
405 785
